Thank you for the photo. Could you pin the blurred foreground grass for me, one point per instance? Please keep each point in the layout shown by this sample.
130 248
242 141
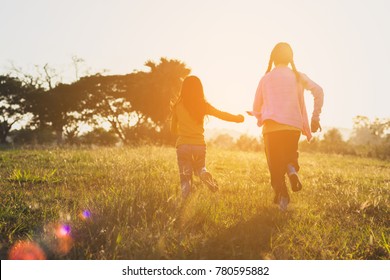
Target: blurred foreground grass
124 203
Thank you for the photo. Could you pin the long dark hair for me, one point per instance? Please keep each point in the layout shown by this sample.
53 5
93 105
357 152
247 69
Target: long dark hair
282 53
192 96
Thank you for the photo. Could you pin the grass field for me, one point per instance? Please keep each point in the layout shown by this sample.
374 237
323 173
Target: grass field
125 203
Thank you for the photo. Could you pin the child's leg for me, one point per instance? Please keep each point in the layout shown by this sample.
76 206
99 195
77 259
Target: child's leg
199 159
274 149
291 150
199 163
292 154
184 160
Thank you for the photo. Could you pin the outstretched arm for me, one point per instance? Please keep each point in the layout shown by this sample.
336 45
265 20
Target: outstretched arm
224 115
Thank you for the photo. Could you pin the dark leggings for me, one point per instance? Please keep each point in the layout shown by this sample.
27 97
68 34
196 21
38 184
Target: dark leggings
281 149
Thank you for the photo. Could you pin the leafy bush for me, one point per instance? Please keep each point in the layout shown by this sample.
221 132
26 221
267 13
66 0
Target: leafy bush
248 143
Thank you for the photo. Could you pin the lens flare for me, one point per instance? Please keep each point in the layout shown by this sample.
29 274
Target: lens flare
62 231
26 250
58 238
85 215
65 240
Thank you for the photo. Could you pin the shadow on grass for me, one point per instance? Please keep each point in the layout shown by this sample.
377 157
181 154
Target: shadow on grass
250 239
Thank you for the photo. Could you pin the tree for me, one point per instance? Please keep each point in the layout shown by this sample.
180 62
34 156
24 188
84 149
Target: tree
12 104
102 100
379 127
333 136
65 105
371 138
366 132
248 143
223 140
153 93
162 88
135 105
39 102
333 142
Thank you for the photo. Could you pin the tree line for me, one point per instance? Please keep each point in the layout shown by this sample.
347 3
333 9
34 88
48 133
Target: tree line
127 108
369 138
134 108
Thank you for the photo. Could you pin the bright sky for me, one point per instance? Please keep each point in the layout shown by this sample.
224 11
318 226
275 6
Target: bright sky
342 45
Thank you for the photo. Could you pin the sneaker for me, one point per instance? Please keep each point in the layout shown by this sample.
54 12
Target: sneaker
283 203
209 181
295 182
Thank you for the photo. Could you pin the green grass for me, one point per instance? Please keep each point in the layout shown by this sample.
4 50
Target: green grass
133 196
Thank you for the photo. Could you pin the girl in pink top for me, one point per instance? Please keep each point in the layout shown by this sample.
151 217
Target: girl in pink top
279 107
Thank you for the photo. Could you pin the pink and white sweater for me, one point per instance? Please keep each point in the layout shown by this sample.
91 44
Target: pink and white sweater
280 98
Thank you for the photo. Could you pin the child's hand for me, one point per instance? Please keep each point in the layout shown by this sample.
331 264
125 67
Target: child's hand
240 118
315 126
